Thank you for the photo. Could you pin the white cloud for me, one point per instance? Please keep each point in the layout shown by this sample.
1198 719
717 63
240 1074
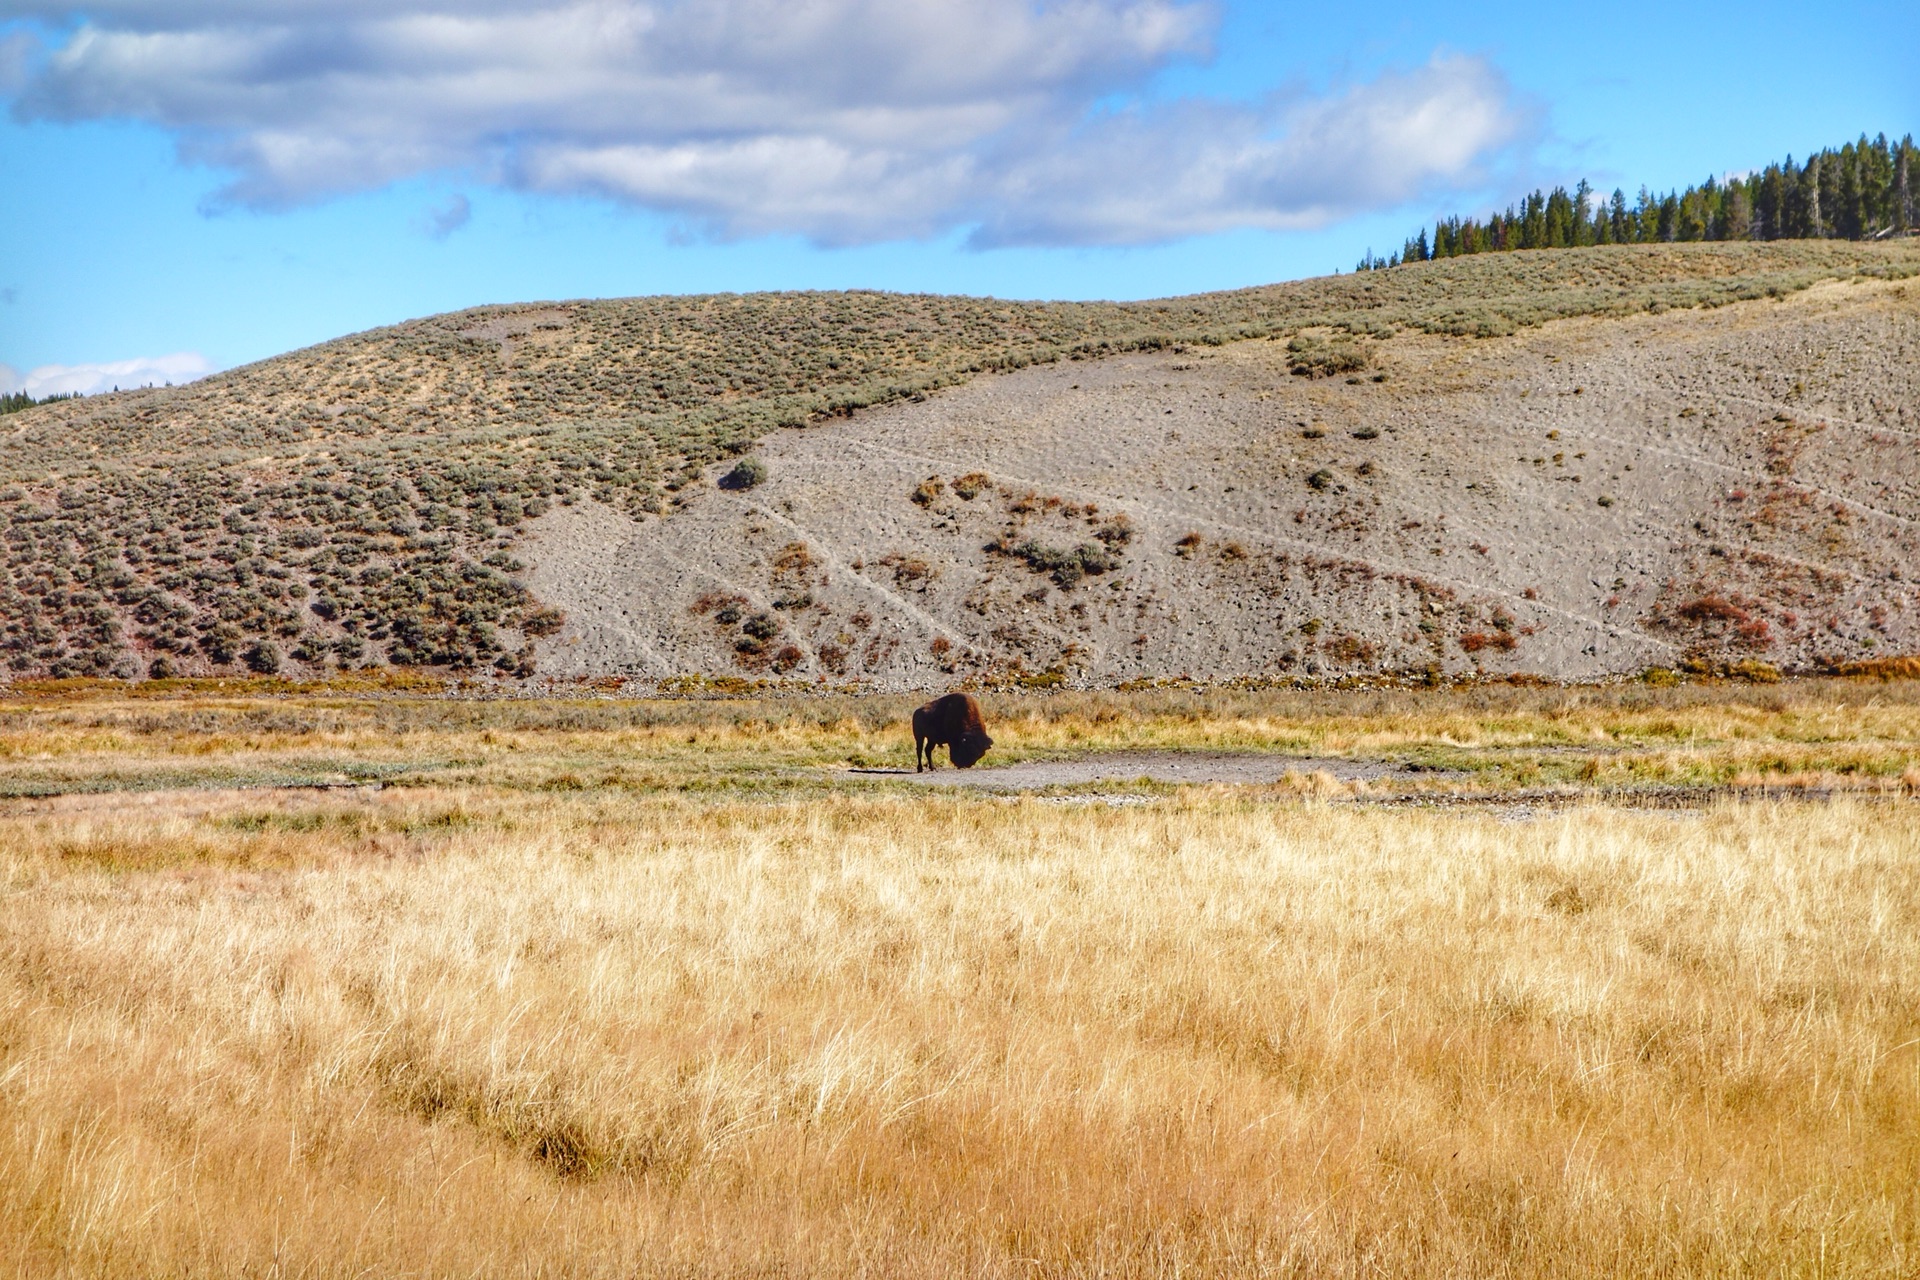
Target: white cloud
842 120
1205 167
91 379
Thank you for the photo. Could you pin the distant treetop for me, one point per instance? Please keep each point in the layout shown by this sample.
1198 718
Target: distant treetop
1866 190
14 401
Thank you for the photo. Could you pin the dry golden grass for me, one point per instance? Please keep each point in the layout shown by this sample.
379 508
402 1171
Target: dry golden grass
482 1031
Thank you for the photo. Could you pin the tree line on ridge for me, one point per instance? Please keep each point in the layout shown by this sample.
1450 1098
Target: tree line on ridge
1862 191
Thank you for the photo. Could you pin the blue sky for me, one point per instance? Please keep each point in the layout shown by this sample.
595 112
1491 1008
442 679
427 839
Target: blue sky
198 184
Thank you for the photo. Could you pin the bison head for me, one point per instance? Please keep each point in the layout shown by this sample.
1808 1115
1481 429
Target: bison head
968 748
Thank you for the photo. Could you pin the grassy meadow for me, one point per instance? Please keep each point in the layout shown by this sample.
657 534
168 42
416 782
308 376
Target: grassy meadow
330 985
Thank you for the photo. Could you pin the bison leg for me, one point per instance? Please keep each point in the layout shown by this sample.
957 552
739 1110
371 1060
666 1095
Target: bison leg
919 748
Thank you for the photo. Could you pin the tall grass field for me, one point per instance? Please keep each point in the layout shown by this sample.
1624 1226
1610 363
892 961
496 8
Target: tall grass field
604 989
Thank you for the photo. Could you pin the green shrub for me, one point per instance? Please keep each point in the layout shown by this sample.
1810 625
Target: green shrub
1319 358
1065 565
746 473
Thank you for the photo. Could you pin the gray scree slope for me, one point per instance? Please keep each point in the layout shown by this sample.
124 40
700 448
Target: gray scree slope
1589 498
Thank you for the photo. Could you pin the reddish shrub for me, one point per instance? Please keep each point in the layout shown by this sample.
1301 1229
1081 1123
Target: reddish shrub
1351 649
794 559
542 621
1712 608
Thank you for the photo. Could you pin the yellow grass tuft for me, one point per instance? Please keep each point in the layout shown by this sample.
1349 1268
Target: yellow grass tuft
1904 668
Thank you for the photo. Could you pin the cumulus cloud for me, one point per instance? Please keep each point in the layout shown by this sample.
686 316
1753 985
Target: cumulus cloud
847 121
1211 167
90 379
447 217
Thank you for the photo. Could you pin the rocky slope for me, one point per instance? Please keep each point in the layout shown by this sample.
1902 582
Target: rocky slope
1592 497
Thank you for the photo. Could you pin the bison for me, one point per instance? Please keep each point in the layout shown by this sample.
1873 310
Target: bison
953 721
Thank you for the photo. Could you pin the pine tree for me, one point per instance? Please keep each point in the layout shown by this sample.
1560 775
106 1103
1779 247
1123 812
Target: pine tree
1646 218
1850 217
1767 205
1736 222
1810 183
1556 220
1582 228
1903 186
1689 217
1667 219
1876 184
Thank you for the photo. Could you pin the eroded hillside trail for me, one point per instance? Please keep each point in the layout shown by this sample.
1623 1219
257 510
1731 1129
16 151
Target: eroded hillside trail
1280 540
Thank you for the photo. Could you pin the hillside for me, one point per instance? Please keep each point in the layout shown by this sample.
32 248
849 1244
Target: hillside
1299 478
